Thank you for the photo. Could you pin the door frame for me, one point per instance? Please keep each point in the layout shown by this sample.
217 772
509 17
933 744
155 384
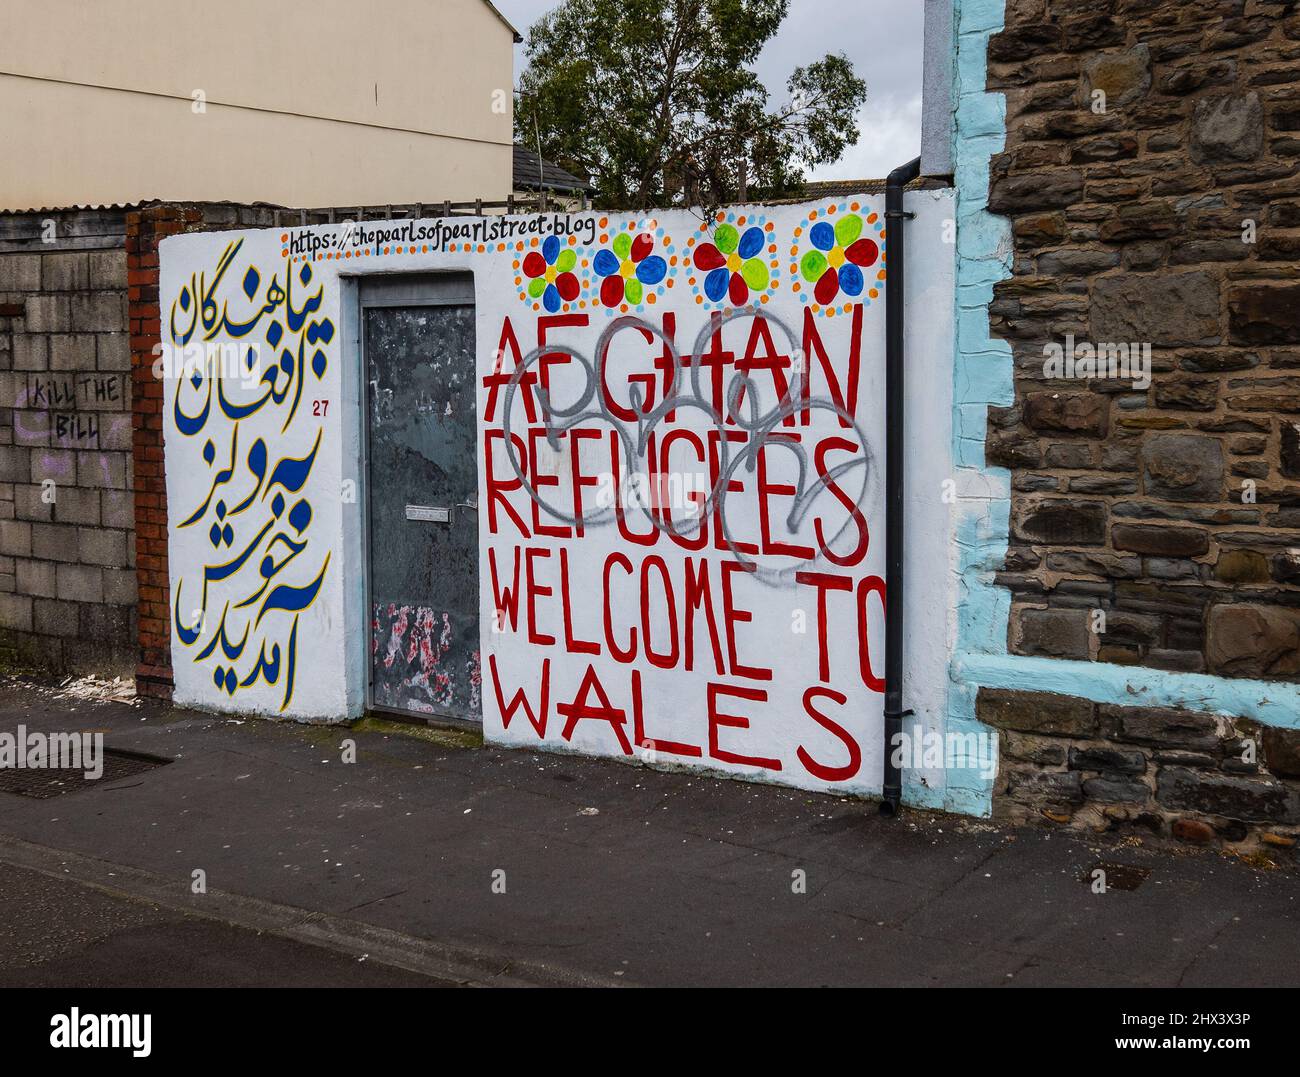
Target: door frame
438 288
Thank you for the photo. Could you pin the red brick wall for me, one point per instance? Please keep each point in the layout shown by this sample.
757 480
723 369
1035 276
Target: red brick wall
144 230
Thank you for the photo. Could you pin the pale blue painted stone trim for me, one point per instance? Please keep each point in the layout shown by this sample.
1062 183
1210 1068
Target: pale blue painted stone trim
1270 702
983 376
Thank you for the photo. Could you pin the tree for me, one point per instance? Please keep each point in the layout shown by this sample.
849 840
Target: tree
656 102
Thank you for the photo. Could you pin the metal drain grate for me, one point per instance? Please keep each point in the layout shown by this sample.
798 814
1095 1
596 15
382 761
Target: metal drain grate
1118 876
54 782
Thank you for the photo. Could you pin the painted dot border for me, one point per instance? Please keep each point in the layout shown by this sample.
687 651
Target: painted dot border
742 221
520 248
664 247
870 219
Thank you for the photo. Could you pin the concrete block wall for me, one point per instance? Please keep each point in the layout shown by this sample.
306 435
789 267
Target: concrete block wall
67 578
81 437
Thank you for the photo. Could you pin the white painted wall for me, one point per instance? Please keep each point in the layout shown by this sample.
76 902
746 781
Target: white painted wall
331 646
930 613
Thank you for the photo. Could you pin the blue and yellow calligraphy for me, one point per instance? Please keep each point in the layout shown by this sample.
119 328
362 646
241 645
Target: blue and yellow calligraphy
238 610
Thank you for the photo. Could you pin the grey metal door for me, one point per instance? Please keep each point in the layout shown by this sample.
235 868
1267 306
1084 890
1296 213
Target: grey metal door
422 483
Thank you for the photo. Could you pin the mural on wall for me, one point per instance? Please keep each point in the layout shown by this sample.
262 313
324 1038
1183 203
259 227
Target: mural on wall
678 500
680 479
255 511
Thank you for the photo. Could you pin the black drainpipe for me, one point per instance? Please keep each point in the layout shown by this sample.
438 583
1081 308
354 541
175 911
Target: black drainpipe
895 319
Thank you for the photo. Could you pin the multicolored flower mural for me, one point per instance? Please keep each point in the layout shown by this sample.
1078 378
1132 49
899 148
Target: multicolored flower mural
734 260
838 257
634 268
548 276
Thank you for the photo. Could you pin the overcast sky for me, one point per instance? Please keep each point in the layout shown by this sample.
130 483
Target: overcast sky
881 37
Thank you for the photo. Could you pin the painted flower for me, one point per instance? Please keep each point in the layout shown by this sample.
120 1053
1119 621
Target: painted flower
839 255
551 272
628 266
733 264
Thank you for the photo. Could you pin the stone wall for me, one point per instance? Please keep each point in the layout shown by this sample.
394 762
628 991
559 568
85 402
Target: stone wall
1196 777
1152 176
1171 218
67 586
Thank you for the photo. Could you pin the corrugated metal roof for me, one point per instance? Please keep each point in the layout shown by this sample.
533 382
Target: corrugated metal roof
834 188
532 173
817 189
115 206
121 207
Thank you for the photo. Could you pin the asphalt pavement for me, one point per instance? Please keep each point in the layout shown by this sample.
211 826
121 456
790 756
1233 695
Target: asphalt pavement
59 933
434 860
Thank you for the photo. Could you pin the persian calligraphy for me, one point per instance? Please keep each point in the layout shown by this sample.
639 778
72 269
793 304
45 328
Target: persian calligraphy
239 611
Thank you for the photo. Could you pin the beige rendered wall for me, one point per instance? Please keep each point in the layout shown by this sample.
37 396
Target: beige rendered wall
332 103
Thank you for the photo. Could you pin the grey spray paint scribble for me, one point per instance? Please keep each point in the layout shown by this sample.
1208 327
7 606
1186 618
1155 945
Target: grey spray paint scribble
760 427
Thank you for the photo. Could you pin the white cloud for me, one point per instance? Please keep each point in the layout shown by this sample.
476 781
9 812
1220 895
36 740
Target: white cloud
889 134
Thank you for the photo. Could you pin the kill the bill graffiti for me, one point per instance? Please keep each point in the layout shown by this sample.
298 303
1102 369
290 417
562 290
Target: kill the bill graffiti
679 442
